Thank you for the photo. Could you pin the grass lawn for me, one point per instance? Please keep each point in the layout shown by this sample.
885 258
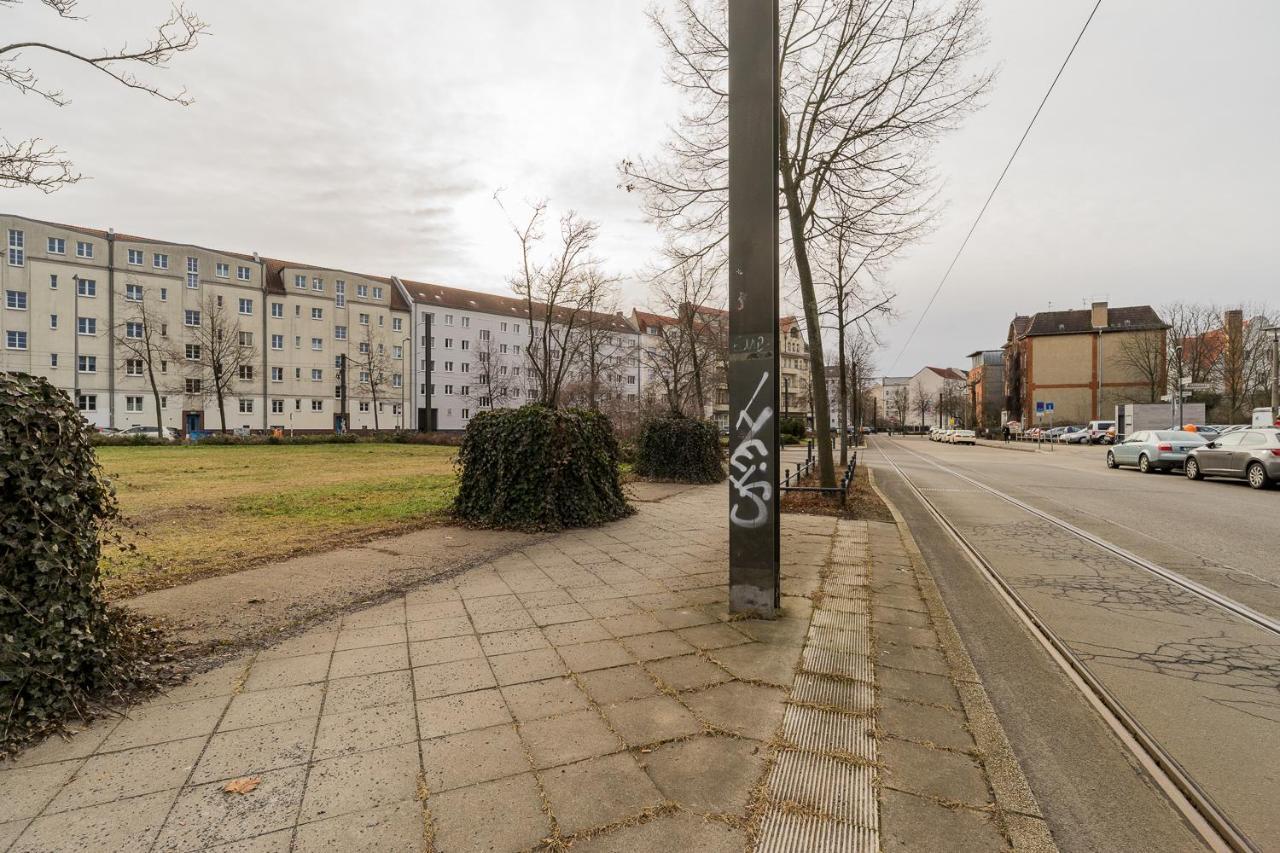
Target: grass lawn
196 511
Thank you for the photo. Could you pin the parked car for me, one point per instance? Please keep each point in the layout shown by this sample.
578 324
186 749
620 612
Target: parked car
1154 450
1074 435
106 430
1249 454
963 436
1033 434
1054 433
1098 431
169 434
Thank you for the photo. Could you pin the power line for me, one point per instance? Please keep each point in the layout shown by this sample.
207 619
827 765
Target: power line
992 194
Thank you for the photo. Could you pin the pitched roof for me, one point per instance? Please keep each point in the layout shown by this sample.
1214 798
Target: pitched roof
645 319
425 293
130 238
1080 321
948 372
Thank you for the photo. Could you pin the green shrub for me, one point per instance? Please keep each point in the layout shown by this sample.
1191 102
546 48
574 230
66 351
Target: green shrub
60 645
536 468
793 427
675 447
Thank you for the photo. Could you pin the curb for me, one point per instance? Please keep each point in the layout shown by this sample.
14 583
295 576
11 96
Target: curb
1017 812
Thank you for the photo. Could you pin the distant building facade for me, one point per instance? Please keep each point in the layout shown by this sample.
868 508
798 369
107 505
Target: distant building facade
1085 361
985 384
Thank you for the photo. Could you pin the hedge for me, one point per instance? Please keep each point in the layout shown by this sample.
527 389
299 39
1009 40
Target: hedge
536 468
61 646
675 447
451 439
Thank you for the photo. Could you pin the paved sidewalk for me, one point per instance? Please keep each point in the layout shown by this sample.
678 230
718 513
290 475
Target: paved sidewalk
589 689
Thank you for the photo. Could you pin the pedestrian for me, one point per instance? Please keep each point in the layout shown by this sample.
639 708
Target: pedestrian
1006 433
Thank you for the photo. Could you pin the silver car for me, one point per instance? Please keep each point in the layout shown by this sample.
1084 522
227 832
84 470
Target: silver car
1153 450
1249 454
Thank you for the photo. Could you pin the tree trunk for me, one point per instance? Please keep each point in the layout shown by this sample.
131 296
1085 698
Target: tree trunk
374 393
817 378
155 393
844 392
222 409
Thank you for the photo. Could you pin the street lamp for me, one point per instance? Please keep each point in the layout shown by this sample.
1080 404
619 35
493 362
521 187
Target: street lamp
1274 332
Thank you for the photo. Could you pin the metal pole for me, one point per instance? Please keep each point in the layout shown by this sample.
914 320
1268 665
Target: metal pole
1275 375
754 539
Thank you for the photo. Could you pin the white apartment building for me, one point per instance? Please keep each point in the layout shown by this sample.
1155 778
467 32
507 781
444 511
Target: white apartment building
471 353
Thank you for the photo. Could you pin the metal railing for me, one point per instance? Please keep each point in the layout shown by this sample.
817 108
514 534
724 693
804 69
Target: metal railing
806 468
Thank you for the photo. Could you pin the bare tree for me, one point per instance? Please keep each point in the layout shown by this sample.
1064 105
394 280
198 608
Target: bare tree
1244 366
374 369
865 87
899 403
223 353
596 373
558 293
495 380
921 402
1144 355
668 361
142 337
35 163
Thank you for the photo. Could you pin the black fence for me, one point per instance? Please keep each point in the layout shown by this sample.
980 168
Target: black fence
791 481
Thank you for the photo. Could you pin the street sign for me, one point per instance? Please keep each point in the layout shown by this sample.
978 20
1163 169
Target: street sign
1039 408
1048 406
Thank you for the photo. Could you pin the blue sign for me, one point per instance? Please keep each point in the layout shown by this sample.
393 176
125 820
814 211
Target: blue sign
1048 407
1039 407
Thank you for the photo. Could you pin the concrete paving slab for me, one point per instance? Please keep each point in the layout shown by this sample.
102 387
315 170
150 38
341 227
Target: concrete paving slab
362 781
206 815
505 814
933 773
598 792
573 633
920 686
550 697
272 706
745 709
508 642
909 823
445 650
160 722
679 832
28 790
395 828
939 726
619 684
687 672
129 824
527 666
647 721
370 661
460 713
287 672
434 629
663 644
753 663
707 773
368 691
601 654
246 752
143 770
570 737
472 757
459 676
364 730
712 636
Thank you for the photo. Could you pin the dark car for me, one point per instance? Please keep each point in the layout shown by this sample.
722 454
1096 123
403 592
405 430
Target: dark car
1246 454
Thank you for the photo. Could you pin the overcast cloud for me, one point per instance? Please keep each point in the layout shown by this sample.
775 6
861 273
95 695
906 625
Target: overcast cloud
372 137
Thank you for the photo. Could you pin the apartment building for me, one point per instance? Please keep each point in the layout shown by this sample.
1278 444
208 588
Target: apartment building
986 390
473 349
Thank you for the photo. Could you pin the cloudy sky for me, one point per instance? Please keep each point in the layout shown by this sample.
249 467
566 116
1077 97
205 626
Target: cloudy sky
373 136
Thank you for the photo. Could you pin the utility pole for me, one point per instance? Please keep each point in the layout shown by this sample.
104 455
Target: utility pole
1275 374
754 461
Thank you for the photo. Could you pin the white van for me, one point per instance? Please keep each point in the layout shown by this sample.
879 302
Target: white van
1262 417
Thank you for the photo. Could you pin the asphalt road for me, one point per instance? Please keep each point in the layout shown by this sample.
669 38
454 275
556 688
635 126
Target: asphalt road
1204 682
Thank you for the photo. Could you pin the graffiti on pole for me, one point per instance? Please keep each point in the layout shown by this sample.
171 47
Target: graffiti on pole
750 461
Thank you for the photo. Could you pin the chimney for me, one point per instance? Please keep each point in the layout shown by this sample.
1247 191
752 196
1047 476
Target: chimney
1098 315
257 258
1233 323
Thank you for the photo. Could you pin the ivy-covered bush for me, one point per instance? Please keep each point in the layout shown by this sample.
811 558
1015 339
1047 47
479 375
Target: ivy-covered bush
675 447
793 428
61 647
536 468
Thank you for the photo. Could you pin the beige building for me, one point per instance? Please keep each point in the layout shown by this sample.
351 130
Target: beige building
78 299
1085 362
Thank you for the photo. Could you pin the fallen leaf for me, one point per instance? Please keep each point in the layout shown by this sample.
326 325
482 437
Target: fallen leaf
243 785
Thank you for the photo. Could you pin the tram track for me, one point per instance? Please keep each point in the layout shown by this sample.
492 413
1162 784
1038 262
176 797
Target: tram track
1198 808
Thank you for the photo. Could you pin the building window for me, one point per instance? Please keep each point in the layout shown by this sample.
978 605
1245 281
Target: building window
277 342
57 246
164 294
317 375
133 404
362 290
317 284
397 351
277 309
87 402
277 374
17 254
86 287
397 324
448 343
53 321
364 407
448 389
466 344
277 407
382 321
317 405
300 282
222 269
364 319
160 261
135 257
193 352
84 249
87 364
133 329
317 344
192 386
246 405
317 313
242 273
377 293
53 359
340 332
246 372
133 292
502 348
16 299
246 339
191 318
246 306
484 334
364 347
15 340
448 366
87 325
193 281
133 367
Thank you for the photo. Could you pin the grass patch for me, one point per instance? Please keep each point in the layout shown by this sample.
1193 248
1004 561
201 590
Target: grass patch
198 511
